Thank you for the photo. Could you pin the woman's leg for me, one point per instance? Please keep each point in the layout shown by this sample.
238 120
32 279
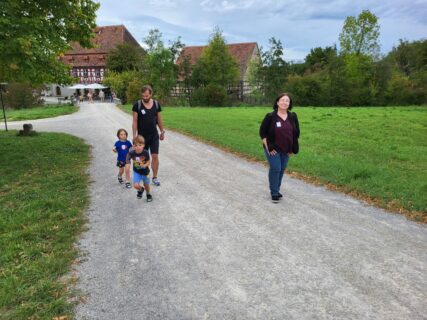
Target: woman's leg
274 172
284 158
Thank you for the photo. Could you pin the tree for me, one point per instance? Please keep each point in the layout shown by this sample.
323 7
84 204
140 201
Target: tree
360 35
34 33
124 57
159 63
320 57
275 70
216 65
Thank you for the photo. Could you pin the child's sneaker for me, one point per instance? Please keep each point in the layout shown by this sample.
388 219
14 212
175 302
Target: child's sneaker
120 179
149 197
139 193
128 185
156 182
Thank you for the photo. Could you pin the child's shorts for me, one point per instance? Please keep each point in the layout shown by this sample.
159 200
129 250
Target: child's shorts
121 164
138 177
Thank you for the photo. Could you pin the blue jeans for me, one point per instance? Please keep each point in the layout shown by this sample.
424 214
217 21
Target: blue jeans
278 164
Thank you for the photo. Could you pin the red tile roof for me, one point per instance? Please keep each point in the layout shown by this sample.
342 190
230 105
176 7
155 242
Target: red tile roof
242 52
106 38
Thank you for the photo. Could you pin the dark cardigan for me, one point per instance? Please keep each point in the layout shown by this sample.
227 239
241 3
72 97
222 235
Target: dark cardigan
266 130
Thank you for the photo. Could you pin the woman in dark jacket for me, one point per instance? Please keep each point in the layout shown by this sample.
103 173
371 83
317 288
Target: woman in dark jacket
279 132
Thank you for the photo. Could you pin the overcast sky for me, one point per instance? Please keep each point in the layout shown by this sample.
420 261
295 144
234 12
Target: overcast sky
299 24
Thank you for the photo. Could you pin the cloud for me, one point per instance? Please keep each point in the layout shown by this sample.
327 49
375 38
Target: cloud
299 24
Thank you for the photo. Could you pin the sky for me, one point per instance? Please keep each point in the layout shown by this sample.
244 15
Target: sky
299 24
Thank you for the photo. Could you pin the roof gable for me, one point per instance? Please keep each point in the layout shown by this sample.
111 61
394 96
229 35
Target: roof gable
242 53
106 38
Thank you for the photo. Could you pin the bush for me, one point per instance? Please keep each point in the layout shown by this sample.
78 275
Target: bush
21 96
308 90
403 91
133 92
211 95
119 82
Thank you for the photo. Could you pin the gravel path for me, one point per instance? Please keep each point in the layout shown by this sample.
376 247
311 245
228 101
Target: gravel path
212 246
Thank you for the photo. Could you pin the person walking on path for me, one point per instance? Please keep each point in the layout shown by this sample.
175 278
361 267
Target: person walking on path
146 118
101 95
90 96
122 147
140 159
279 132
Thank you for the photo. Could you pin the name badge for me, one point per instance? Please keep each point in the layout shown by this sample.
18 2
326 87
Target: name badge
137 159
143 111
123 147
278 124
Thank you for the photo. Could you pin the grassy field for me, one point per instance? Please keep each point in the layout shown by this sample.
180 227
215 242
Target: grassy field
38 112
376 153
43 194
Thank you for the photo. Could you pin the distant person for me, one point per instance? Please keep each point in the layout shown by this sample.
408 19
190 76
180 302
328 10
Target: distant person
146 117
140 159
81 97
279 132
101 95
90 96
112 97
122 147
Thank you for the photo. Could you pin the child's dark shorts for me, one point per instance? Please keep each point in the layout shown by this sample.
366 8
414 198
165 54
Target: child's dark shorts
121 164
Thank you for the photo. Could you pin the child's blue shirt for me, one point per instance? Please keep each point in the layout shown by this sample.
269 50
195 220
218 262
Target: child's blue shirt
122 148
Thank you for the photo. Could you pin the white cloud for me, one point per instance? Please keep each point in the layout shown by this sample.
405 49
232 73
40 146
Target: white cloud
299 24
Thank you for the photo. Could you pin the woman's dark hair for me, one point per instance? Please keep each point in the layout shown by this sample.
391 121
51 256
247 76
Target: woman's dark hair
275 106
120 130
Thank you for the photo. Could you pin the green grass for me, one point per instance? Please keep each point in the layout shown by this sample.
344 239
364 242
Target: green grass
38 112
43 194
373 152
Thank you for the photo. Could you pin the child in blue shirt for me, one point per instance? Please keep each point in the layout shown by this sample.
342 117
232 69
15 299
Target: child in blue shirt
121 147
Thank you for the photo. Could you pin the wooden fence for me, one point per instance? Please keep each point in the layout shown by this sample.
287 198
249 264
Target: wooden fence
239 92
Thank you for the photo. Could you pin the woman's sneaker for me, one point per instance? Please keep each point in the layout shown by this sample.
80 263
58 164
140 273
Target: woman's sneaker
120 179
275 199
149 197
139 193
128 185
156 182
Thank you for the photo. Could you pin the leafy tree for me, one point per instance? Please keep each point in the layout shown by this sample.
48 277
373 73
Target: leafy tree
410 57
34 33
124 57
275 70
360 35
119 82
319 58
216 65
154 40
159 63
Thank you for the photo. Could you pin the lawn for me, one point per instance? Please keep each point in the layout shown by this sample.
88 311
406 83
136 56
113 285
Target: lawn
375 153
43 195
38 112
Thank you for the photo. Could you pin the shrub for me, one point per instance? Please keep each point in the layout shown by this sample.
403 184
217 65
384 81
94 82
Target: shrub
211 95
133 92
21 96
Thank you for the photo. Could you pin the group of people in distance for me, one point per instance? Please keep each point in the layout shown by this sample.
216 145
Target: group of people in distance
143 152
279 132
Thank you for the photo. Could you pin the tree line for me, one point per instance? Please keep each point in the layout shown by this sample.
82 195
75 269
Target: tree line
354 75
33 35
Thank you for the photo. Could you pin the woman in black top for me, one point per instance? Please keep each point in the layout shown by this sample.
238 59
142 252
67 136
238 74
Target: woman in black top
279 132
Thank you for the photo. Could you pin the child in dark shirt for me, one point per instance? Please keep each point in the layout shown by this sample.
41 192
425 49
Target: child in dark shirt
121 147
141 167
